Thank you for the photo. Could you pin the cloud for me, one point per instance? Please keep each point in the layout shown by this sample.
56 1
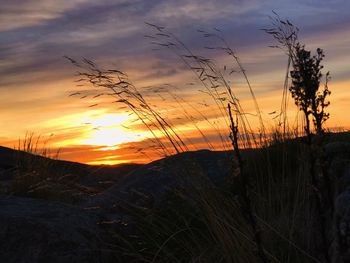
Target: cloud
185 11
17 14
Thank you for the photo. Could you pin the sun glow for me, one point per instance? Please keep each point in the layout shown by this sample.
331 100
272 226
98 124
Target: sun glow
106 119
111 137
110 130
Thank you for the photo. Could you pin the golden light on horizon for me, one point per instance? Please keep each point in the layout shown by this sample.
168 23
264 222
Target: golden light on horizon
108 130
110 136
108 160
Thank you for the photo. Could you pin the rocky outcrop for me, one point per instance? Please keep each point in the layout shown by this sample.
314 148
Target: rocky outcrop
342 227
338 156
40 231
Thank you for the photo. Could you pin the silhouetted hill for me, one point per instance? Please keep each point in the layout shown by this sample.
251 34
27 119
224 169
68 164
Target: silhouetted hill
18 166
89 207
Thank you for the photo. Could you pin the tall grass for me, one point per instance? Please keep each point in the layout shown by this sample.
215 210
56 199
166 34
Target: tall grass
265 212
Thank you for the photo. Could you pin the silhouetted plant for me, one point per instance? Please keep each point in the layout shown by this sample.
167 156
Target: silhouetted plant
306 78
245 202
306 74
286 35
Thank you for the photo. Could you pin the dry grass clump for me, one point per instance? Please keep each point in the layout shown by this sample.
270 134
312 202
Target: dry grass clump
36 174
32 164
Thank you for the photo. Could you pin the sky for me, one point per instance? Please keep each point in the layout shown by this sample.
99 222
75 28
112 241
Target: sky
36 81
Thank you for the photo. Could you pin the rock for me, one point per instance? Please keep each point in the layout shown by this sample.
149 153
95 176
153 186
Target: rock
338 149
40 231
338 157
343 183
339 166
342 226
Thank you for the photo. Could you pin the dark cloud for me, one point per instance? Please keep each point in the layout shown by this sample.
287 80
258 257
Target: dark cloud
115 29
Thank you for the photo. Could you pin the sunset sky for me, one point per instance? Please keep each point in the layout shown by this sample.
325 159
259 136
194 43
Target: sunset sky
36 81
